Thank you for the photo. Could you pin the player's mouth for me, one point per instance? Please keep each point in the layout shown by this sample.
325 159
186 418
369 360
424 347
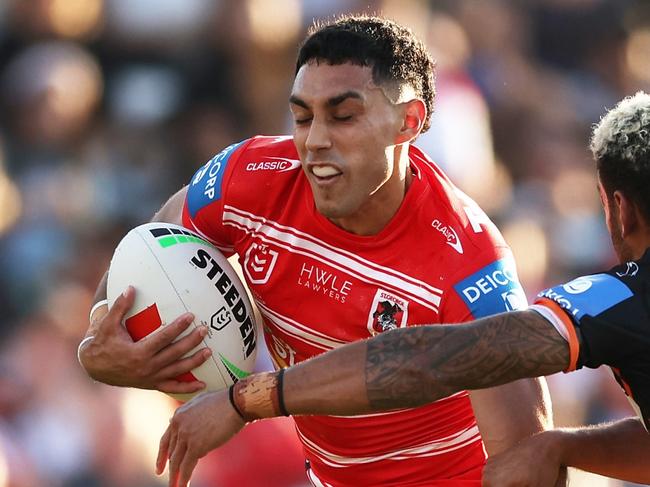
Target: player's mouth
325 174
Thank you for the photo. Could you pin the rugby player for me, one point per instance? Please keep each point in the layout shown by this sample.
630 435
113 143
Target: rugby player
368 237
600 319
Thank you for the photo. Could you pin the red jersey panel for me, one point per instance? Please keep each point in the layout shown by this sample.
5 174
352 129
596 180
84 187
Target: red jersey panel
317 286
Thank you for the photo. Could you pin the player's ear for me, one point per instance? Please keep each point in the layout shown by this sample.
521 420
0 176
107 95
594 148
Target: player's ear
628 213
414 113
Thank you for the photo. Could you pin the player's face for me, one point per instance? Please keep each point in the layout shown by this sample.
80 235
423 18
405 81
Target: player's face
345 132
613 221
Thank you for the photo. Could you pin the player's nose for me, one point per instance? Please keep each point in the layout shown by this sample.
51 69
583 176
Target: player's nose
318 137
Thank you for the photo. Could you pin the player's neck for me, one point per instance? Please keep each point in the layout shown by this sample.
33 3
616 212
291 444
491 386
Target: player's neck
642 245
639 242
634 245
373 216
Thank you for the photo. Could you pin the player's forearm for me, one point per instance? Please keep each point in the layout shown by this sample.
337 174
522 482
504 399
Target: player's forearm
332 383
417 365
618 450
428 363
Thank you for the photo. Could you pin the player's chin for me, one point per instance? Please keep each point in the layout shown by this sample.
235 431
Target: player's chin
331 208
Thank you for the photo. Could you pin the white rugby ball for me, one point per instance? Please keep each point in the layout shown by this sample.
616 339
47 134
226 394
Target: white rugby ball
174 271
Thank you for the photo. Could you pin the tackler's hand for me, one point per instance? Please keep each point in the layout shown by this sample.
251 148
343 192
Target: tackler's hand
201 425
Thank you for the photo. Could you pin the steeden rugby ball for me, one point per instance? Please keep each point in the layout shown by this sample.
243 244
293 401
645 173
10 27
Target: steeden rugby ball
174 271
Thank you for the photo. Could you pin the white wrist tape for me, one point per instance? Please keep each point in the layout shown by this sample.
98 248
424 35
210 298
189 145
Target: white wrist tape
96 306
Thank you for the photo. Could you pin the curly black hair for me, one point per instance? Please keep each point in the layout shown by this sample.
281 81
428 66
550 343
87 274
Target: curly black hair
393 52
621 147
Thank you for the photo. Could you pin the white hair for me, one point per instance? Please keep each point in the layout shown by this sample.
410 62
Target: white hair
624 132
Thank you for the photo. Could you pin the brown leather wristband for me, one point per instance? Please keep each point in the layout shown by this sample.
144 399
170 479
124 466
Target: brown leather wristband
258 397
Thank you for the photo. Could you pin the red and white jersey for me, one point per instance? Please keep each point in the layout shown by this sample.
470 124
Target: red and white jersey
439 259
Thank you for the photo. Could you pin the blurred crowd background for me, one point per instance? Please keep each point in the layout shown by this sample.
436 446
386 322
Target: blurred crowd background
108 106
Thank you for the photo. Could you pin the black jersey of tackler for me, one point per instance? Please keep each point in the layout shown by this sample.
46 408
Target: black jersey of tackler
612 321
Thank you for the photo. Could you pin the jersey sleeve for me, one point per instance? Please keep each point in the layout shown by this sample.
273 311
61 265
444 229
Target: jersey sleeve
486 286
207 196
593 314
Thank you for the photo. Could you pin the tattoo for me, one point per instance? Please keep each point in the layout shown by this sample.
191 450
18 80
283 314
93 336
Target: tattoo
417 365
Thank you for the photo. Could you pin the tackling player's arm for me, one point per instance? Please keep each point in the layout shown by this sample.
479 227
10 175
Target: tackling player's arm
415 366
618 450
402 368
109 355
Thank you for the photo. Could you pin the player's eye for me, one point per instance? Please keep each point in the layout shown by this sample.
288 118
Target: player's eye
302 121
343 119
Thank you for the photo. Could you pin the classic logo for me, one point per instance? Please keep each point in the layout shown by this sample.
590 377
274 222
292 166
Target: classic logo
450 235
631 270
325 282
388 312
259 263
279 164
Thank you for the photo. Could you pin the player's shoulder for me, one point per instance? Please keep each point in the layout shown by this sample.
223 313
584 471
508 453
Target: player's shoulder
481 268
262 146
454 215
268 165
260 154
634 274
264 162
593 294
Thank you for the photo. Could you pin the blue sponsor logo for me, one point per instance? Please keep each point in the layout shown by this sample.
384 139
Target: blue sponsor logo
493 289
588 295
206 183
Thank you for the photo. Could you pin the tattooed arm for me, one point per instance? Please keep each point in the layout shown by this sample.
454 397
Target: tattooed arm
414 366
398 369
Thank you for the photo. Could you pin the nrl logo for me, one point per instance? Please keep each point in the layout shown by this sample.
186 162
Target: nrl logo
259 263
